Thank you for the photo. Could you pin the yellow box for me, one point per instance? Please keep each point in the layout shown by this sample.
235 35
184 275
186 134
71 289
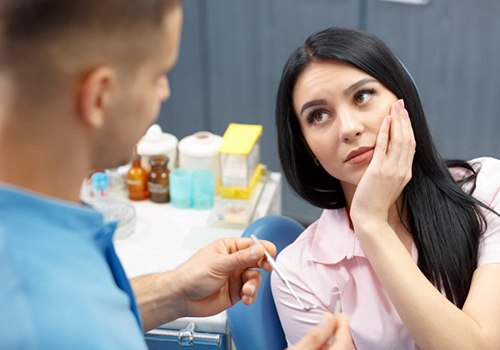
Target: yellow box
240 167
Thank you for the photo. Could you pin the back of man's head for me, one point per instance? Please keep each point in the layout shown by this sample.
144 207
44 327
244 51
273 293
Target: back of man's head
43 40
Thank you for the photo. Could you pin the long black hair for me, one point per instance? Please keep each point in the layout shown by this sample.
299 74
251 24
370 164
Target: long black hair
445 221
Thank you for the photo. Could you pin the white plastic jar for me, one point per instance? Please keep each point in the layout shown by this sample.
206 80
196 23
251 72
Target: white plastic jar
200 151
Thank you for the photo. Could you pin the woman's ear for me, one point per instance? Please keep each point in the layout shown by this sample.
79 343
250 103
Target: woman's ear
95 93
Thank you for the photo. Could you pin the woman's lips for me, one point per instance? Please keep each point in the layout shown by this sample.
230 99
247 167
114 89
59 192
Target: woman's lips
360 156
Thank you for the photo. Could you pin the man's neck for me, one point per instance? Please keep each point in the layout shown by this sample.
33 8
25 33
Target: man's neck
49 164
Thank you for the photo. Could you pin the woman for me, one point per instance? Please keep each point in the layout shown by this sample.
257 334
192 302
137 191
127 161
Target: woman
408 244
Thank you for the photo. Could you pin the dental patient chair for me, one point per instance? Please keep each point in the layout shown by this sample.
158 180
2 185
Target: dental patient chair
257 327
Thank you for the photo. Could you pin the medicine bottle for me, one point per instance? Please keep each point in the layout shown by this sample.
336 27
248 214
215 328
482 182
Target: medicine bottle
158 179
137 180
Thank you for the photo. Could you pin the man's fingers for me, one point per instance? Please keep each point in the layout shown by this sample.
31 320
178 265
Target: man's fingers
318 336
343 339
246 254
251 284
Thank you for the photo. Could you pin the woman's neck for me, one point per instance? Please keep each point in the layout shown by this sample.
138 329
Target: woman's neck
397 216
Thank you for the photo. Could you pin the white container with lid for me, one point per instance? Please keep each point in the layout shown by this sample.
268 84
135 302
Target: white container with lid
156 142
200 151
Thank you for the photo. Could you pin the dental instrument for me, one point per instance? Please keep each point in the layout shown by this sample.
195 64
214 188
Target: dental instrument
280 273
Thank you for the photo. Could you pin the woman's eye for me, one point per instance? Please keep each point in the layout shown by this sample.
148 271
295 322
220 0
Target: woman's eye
317 117
363 96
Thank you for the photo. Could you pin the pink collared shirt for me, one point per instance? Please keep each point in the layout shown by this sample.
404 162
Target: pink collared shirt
327 257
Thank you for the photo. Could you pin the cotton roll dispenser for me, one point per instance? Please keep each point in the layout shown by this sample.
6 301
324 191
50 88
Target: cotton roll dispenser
200 151
156 142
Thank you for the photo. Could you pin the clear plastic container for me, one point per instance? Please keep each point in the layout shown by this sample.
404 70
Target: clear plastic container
117 210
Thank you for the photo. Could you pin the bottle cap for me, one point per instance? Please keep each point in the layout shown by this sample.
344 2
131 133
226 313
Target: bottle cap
155 141
99 181
159 160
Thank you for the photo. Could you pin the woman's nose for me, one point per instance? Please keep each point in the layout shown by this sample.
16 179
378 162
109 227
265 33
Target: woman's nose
351 127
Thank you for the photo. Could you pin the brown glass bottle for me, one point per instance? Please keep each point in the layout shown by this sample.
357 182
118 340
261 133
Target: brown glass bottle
137 180
159 191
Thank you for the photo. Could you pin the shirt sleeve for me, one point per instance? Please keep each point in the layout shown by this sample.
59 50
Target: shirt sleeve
295 321
488 191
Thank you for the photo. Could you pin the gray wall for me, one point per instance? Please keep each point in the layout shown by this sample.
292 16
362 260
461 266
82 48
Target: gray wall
233 52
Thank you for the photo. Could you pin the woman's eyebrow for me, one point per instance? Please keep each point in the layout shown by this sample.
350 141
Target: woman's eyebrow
358 84
348 91
312 103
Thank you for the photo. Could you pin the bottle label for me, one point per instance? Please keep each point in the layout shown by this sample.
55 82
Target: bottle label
157 188
131 182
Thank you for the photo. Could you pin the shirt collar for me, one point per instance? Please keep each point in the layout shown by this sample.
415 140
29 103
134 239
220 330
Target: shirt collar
17 203
333 239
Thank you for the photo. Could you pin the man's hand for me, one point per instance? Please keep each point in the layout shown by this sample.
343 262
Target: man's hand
212 280
221 274
333 333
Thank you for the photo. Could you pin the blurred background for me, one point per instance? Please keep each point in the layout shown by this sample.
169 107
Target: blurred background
233 52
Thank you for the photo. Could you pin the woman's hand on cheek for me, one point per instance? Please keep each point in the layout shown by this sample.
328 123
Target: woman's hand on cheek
389 170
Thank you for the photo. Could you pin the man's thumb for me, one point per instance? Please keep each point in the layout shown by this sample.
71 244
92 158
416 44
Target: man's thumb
245 258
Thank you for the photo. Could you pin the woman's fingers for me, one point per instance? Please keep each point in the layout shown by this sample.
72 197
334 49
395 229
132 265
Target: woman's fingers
397 135
395 145
412 142
401 142
407 150
382 142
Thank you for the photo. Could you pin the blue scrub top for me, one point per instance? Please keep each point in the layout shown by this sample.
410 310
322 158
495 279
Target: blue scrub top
61 284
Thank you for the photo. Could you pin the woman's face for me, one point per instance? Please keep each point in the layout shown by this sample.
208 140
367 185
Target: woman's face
340 109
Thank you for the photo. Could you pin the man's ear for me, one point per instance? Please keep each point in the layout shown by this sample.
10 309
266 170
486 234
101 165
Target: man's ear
95 93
